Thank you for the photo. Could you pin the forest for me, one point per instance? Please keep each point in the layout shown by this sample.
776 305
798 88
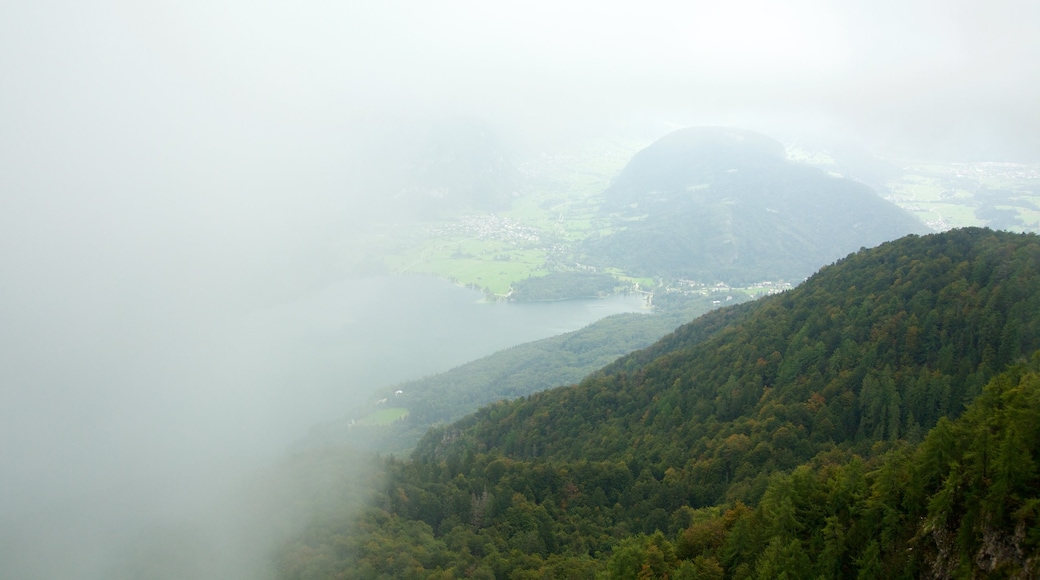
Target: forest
878 421
564 286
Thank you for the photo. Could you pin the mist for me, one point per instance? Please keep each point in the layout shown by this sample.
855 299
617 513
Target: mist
172 171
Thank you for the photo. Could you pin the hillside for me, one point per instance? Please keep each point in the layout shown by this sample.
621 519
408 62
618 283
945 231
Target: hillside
722 204
820 432
515 372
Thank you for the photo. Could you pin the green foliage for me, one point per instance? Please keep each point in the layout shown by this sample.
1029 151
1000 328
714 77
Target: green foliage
564 286
385 416
823 432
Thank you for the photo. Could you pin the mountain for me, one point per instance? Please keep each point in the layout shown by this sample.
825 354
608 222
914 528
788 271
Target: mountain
721 204
817 433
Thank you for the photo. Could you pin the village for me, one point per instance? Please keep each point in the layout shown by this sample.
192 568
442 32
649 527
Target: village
490 227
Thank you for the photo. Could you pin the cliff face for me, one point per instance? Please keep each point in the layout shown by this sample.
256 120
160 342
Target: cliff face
1002 553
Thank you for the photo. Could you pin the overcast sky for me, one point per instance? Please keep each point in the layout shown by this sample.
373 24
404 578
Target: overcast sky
166 166
222 138
158 157
184 80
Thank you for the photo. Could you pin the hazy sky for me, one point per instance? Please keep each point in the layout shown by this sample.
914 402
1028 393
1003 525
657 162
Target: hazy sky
166 166
162 163
189 140
187 80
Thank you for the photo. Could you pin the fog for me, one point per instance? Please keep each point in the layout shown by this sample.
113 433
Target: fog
170 171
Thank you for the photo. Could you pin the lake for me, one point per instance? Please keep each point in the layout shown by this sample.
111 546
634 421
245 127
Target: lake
248 385
326 353
158 433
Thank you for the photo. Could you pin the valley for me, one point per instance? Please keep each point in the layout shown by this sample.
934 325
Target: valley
814 432
538 291
560 208
877 421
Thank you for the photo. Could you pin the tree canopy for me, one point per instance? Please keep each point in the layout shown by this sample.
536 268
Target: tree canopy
880 420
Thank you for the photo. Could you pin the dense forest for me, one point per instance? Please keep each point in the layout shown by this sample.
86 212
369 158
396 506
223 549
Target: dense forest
878 421
564 286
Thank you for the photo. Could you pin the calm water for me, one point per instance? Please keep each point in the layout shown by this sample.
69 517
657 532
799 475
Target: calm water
329 351
105 461
251 386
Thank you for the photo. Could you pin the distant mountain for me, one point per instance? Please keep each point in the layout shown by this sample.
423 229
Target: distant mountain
720 204
821 432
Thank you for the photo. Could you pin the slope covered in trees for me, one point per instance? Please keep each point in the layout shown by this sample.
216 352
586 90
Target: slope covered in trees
515 372
821 432
564 286
722 204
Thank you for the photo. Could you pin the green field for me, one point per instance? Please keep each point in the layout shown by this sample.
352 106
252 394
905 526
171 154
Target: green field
492 251
490 265
384 416
998 195
945 196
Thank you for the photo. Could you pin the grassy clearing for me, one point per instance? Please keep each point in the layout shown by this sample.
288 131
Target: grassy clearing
384 416
944 215
495 277
491 265
915 189
958 215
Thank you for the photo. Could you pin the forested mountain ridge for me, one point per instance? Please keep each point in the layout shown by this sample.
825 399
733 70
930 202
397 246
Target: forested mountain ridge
806 434
722 204
916 326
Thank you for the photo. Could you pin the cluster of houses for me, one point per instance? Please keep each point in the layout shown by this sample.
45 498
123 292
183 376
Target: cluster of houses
492 227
